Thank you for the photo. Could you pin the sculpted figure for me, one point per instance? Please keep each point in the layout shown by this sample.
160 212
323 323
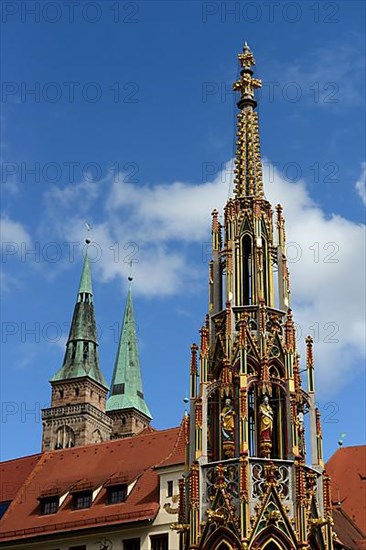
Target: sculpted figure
227 420
266 419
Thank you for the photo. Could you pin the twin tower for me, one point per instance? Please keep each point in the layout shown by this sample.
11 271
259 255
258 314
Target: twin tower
81 410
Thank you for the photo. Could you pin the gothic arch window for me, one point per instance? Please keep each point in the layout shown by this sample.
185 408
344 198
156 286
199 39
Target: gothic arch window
251 370
65 438
222 539
273 539
97 436
252 420
276 370
252 367
214 432
247 267
279 432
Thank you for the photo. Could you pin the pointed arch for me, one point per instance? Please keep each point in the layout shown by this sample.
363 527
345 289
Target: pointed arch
276 370
272 538
247 269
252 407
222 539
97 436
278 403
65 437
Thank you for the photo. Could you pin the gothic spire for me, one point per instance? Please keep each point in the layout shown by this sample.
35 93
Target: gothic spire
81 356
85 285
126 388
248 168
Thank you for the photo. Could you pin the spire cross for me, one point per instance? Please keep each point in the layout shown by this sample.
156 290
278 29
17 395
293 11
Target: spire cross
247 84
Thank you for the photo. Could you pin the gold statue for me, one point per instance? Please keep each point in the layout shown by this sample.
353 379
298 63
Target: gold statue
265 428
228 421
266 418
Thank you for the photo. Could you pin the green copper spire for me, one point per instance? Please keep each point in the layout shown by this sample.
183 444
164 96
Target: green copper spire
81 356
85 281
126 388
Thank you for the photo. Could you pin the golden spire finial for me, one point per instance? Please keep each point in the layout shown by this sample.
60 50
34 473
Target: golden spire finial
247 84
248 166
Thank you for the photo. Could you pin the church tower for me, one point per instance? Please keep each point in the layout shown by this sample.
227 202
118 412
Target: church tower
77 415
126 405
247 484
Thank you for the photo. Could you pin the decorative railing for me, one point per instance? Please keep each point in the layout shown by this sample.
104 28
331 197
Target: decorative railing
227 472
211 476
283 477
77 408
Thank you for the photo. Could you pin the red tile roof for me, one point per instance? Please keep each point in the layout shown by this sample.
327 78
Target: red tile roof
13 474
91 466
347 531
347 469
177 455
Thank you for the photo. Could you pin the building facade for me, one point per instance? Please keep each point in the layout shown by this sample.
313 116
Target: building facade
114 495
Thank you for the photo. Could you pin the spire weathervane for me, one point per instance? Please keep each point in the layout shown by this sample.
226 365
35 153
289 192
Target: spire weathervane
88 228
130 276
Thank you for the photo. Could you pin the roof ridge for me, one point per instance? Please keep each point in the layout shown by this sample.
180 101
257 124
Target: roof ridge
52 452
177 442
19 458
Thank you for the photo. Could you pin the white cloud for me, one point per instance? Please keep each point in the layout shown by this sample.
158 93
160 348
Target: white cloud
327 76
13 238
327 281
360 185
141 224
158 226
13 232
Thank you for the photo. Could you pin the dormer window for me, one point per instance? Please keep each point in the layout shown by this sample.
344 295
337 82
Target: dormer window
49 505
117 493
82 499
3 507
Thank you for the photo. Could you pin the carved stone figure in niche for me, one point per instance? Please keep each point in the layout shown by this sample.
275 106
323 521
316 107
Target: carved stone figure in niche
301 432
228 421
265 427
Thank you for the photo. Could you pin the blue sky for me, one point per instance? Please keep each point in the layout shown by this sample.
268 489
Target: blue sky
131 127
